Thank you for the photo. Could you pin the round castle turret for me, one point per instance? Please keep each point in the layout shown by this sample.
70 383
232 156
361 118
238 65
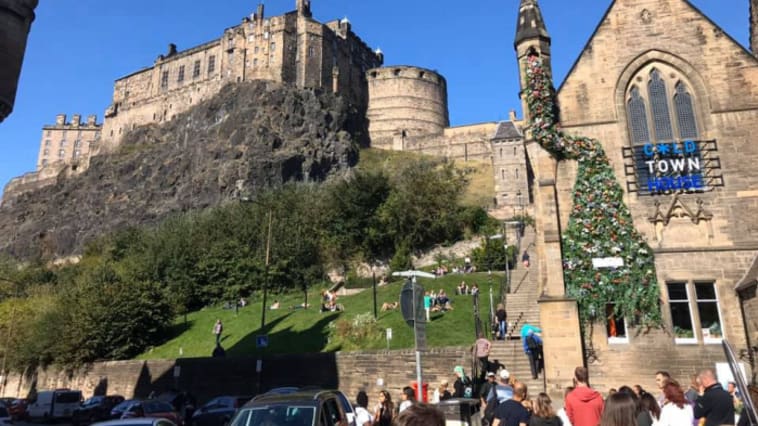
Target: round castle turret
405 101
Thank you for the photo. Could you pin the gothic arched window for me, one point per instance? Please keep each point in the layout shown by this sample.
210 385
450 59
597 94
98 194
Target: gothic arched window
685 114
661 117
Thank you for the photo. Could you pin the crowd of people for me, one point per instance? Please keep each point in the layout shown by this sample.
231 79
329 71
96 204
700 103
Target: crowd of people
505 401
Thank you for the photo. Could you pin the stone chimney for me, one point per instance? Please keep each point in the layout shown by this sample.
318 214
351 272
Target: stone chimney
91 120
171 50
76 120
512 115
259 13
304 8
60 120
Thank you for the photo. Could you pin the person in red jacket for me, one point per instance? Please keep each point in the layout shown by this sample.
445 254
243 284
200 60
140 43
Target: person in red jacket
584 405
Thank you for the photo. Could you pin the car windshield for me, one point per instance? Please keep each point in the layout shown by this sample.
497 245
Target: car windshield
157 407
276 415
93 401
123 406
68 397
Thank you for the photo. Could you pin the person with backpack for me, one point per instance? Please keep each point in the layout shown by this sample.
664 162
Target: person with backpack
532 348
463 386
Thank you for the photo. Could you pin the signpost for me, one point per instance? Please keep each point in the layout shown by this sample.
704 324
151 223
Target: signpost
412 308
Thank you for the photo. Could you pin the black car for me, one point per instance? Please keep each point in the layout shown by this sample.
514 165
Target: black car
301 408
123 407
95 409
218 411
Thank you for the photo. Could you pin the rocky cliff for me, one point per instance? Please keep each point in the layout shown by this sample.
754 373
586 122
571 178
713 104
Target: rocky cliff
250 136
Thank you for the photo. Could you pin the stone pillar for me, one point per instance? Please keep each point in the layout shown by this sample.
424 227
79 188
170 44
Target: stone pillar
559 315
16 18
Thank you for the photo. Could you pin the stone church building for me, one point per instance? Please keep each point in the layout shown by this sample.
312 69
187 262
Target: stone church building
674 101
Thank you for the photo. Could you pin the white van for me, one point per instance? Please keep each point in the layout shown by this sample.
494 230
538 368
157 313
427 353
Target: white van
54 404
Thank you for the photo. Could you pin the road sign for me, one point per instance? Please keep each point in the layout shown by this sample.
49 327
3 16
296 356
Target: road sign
261 341
412 303
607 262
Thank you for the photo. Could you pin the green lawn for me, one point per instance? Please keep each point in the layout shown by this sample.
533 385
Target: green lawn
298 331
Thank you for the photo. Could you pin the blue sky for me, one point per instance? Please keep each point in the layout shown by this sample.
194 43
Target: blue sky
77 48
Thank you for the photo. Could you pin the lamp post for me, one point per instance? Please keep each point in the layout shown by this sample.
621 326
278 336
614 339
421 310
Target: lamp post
373 276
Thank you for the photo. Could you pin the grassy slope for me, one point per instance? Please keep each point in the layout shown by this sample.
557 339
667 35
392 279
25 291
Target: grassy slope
297 331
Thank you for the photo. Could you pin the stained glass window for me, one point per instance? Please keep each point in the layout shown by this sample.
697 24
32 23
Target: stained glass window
638 118
685 115
659 105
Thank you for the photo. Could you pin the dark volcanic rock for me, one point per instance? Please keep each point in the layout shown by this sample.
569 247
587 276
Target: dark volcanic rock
250 136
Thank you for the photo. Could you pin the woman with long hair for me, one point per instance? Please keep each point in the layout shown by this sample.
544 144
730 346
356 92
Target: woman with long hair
676 409
543 414
648 408
620 410
385 410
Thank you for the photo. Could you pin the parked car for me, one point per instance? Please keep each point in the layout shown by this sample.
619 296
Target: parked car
119 409
301 408
54 404
218 411
347 406
95 409
17 409
5 416
141 421
153 408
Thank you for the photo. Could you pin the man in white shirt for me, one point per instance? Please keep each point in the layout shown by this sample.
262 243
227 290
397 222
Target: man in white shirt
362 416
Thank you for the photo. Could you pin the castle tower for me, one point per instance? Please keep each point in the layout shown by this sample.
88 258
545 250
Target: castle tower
304 8
531 35
754 26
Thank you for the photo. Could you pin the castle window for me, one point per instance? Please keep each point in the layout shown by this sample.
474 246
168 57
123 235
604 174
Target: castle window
47 142
196 70
211 64
77 153
62 142
180 77
255 62
164 80
46 152
311 52
273 47
77 144
681 316
97 134
708 311
501 152
256 49
514 151
516 174
230 43
61 153
502 174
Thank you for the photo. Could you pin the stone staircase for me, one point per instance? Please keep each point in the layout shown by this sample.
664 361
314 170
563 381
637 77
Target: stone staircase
522 307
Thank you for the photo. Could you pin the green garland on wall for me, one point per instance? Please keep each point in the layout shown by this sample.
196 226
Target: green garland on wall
600 224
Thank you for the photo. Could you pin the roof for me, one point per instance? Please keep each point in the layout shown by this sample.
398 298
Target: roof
750 278
608 12
507 130
298 396
530 23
